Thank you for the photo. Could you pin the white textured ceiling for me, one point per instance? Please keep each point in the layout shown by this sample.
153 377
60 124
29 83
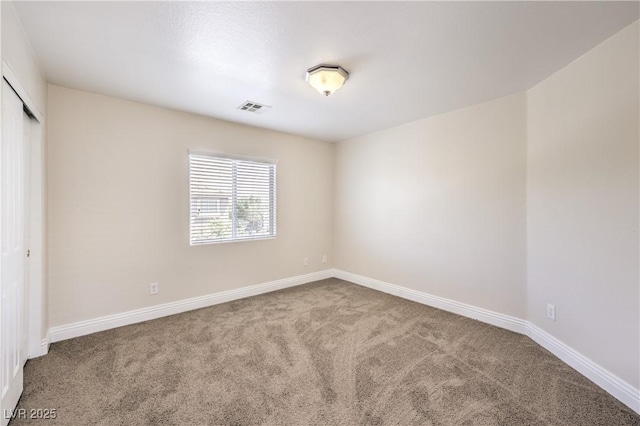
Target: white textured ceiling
407 60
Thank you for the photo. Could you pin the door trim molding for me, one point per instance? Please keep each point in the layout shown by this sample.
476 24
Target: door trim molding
34 289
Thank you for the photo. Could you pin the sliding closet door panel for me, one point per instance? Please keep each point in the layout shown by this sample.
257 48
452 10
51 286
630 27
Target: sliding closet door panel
13 254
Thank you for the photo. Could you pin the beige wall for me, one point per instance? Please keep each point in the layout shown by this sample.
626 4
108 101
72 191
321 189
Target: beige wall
118 211
508 205
582 195
438 205
512 204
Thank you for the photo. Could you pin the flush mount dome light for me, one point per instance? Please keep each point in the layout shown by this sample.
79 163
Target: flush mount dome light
326 79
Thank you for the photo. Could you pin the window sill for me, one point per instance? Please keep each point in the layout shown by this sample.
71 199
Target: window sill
235 240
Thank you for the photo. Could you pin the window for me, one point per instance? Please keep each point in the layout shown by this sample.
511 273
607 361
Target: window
231 198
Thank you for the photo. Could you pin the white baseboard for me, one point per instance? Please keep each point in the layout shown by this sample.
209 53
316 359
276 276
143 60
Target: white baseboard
95 325
44 344
43 349
490 317
618 388
608 381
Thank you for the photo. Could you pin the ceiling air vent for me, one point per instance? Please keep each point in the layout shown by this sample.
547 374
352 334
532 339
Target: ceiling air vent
254 107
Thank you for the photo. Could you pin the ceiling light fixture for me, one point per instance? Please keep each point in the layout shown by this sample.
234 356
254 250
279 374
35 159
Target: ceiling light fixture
326 79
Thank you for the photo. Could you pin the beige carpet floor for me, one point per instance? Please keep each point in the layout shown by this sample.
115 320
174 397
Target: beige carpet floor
329 352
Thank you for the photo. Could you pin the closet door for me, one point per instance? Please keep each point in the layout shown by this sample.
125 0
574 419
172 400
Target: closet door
13 255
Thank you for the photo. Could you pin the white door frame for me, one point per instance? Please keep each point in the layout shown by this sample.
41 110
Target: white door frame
35 291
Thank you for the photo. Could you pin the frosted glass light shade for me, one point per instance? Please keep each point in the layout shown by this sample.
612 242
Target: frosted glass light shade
326 79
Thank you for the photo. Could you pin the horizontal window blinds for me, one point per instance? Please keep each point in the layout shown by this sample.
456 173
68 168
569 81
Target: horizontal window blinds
231 199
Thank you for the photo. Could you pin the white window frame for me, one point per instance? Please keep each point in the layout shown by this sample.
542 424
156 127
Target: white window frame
272 197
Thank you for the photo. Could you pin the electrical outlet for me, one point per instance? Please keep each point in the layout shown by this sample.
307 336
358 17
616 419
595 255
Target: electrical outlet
551 312
324 258
305 261
153 288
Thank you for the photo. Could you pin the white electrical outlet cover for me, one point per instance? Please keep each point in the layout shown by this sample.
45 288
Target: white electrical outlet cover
551 312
